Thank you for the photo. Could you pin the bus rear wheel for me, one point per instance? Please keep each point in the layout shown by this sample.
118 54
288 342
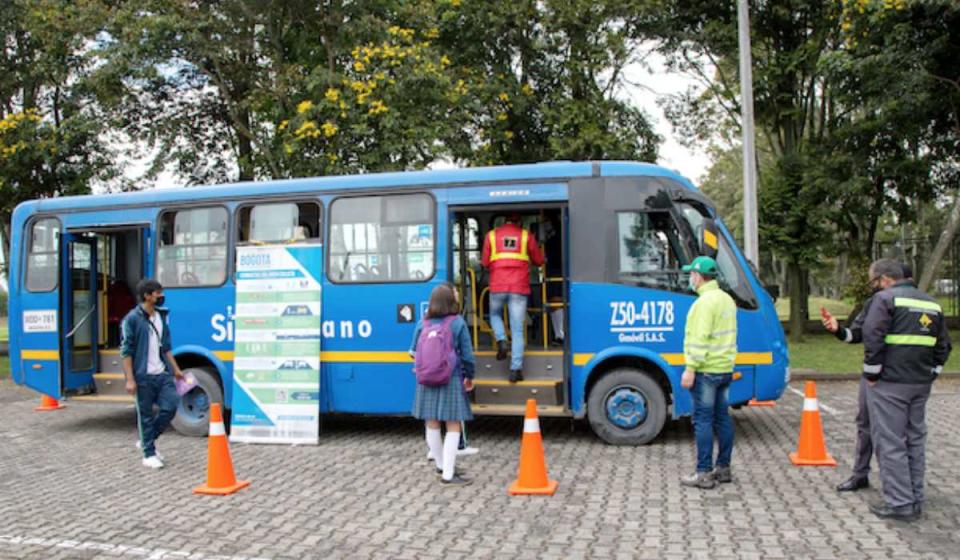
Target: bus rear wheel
193 416
627 407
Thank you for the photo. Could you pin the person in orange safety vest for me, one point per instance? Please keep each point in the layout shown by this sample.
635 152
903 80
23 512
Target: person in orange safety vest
507 252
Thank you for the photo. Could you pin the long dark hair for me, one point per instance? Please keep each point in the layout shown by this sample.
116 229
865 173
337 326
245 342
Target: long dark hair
443 302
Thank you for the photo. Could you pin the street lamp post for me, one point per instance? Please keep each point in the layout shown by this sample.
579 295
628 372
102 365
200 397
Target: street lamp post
751 240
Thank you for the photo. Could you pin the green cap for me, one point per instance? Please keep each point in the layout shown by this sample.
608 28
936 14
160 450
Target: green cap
703 265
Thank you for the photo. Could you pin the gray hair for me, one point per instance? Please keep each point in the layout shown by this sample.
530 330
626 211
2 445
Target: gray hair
887 267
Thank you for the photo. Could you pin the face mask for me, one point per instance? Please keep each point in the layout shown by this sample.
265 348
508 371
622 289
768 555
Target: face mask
159 301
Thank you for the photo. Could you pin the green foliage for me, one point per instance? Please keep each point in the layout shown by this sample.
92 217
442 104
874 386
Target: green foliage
51 129
221 86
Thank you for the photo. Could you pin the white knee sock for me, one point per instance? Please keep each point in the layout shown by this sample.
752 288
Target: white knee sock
450 443
435 446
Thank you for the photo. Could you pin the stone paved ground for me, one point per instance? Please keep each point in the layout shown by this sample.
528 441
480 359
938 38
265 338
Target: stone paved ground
71 486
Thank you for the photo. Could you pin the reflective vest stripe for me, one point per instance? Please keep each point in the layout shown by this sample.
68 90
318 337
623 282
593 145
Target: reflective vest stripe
496 255
917 304
910 340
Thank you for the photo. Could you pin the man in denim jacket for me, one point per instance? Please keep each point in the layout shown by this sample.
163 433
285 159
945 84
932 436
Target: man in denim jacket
147 365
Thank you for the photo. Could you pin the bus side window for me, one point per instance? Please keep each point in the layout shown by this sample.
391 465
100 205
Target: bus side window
650 251
279 222
193 247
43 257
382 238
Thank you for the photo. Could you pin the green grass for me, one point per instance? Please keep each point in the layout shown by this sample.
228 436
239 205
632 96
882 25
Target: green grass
837 308
825 354
4 332
4 367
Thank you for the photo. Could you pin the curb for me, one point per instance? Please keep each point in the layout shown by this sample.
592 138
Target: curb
811 375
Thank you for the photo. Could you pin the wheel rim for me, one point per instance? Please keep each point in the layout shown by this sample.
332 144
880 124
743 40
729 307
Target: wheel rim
195 405
626 407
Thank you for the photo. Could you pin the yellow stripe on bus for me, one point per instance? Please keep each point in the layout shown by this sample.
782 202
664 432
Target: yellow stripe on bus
53 355
675 359
224 355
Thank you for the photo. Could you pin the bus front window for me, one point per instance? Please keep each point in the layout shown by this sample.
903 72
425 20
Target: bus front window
731 276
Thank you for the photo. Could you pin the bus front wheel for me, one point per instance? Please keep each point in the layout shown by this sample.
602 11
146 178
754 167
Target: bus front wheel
193 416
627 407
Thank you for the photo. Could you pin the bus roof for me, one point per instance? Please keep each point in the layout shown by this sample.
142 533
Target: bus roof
497 174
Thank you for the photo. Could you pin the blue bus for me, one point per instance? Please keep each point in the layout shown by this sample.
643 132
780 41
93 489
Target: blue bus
605 323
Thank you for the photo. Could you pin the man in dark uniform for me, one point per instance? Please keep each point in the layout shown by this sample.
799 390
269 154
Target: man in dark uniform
905 346
864 449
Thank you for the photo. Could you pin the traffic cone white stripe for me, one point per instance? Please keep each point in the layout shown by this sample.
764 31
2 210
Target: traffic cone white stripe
810 405
531 425
217 429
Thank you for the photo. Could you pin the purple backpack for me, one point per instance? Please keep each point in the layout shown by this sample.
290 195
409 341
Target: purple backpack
436 357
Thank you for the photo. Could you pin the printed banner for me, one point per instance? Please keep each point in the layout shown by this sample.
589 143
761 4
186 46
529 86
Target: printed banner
276 368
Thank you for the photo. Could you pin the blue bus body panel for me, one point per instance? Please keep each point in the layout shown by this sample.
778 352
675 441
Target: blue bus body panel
353 183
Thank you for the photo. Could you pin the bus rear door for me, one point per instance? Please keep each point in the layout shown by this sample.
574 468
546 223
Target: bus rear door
79 310
39 299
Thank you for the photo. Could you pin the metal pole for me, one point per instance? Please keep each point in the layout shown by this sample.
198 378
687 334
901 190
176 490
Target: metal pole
751 240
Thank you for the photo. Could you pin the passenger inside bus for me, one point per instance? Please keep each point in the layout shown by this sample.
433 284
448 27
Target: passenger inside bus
545 311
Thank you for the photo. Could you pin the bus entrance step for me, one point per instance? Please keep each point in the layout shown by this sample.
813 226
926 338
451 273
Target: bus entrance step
105 399
110 361
517 410
547 392
110 384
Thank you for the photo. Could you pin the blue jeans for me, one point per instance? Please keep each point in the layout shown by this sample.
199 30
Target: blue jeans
517 309
711 415
159 390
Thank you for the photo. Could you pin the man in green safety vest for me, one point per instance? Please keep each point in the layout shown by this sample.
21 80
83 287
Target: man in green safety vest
709 351
905 344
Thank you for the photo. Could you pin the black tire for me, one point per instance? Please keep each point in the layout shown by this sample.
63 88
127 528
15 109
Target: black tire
636 380
195 421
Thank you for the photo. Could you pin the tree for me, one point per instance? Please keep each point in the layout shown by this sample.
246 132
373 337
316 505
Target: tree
50 125
791 99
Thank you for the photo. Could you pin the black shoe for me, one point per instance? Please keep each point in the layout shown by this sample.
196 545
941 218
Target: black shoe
516 375
457 480
722 475
902 513
853 484
501 350
918 508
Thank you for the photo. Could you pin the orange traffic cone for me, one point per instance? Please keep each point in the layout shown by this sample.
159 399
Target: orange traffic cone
811 449
221 479
755 402
532 477
48 403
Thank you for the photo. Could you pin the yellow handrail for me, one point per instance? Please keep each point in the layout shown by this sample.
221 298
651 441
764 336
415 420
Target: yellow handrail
476 318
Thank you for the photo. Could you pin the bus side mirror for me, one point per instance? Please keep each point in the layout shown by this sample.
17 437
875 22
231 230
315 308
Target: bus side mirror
709 238
773 290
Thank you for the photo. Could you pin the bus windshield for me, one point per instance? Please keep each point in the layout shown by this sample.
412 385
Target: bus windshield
731 276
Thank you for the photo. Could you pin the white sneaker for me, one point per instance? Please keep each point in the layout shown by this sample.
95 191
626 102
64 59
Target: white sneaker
155 450
153 462
467 451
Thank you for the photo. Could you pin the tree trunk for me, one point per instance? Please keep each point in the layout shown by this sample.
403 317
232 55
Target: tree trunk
244 147
797 303
946 238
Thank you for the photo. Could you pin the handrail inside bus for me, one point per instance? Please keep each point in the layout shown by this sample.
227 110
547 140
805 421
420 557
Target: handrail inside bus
82 321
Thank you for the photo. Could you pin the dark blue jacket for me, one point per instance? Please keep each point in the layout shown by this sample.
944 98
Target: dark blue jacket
905 337
135 341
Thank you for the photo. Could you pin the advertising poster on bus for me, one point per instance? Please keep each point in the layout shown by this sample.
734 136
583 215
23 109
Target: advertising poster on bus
276 394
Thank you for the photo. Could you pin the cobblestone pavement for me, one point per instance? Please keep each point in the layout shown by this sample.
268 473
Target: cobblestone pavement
71 486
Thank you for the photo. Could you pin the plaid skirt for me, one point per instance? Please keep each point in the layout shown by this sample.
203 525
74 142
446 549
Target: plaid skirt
447 403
